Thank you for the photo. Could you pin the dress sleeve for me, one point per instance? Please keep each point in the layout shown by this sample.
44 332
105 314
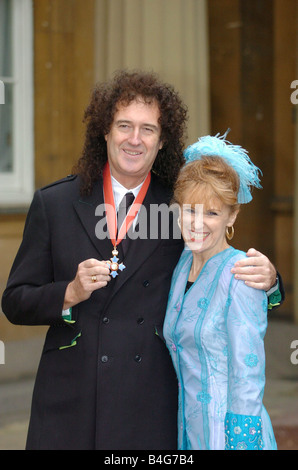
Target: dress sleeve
246 322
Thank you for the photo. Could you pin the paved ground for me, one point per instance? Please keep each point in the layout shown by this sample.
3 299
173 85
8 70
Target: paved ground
281 394
15 399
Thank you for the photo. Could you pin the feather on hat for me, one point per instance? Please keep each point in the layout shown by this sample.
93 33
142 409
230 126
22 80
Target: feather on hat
234 155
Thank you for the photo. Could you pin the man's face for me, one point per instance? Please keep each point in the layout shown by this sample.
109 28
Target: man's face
133 142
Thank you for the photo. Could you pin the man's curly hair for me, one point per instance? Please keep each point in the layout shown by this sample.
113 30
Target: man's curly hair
123 88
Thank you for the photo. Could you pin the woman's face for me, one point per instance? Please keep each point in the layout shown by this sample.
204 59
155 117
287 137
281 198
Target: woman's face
203 226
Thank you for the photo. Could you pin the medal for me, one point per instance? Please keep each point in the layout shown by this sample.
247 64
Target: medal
114 265
111 216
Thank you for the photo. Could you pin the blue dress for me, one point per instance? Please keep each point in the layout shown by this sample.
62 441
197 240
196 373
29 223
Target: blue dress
215 333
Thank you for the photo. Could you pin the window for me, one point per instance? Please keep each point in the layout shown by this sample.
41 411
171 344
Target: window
16 114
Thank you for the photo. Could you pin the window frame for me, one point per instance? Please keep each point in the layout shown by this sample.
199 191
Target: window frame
17 186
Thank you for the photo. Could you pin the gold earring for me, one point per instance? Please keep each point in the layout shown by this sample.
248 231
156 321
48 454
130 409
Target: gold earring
230 234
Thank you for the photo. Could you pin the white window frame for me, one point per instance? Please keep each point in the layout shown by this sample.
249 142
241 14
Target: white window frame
16 187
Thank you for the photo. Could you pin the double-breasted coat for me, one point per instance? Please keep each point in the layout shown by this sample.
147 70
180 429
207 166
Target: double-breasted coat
105 381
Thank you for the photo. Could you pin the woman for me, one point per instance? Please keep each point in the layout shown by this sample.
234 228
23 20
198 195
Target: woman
215 325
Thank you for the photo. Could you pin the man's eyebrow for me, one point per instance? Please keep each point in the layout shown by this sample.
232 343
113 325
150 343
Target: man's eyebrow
126 121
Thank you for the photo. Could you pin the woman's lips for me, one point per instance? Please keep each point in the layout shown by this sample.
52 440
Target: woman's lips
198 236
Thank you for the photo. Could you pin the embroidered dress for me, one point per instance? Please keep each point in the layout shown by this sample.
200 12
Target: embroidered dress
214 333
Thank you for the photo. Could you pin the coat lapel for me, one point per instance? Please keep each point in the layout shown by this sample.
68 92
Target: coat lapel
90 210
140 249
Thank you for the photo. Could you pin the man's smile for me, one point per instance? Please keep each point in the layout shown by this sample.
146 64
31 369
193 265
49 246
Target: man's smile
132 153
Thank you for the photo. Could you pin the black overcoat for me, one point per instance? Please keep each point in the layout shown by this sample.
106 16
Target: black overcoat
105 381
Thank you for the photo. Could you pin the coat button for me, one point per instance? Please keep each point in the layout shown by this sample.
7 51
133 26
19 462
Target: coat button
140 321
105 320
146 283
138 358
104 358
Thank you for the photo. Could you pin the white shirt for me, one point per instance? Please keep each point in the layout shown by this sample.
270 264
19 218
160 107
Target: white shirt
119 191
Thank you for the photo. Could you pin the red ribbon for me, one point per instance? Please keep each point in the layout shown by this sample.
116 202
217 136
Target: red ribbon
110 208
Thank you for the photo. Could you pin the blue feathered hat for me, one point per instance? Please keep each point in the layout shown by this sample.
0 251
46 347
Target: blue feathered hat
234 155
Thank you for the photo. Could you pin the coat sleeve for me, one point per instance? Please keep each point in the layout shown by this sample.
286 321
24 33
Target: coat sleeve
276 298
32 297
246 321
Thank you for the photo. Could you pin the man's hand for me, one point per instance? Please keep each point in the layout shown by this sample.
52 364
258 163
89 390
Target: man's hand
256 270
91 275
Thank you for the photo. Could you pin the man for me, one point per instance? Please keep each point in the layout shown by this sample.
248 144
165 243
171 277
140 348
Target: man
105 379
